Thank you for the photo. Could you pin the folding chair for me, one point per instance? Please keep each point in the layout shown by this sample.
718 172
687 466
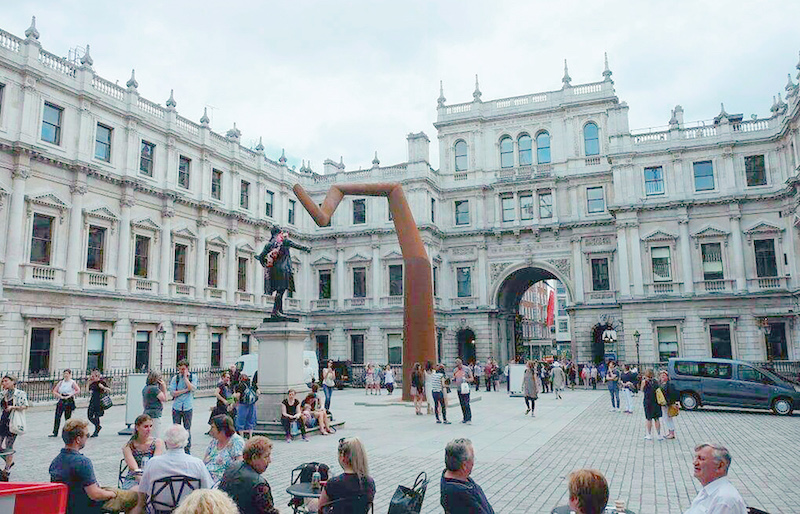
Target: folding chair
123 472
167 492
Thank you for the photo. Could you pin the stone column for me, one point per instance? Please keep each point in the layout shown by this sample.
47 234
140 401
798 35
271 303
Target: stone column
124 248
75 240
686 256
16 219
231 280
573 200
636 260
376 275
167 213
622 249
200 258
577 265
738 253
483 276
341 275
280 350
788 218
231 346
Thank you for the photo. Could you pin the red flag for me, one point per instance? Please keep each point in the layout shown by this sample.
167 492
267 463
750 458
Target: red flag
551 309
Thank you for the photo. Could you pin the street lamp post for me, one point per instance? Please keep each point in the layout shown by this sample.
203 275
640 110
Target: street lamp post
160 334
636 336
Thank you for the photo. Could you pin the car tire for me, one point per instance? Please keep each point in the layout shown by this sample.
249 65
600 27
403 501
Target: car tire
689 401
782 406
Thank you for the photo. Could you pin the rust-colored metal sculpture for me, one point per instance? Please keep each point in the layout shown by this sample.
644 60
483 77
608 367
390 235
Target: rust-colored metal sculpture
419 332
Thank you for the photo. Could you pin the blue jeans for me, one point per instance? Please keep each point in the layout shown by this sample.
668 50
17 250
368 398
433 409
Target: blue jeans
186 417
328 390
466 411
613 388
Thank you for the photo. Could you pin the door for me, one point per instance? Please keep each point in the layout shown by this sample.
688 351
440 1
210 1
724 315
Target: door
322 349
753 387
716 379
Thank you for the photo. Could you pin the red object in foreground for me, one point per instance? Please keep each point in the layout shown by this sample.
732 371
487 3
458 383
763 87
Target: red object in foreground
21 498
551 309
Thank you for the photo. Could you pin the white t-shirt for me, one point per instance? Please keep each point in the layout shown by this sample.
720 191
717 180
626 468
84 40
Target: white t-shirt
388 376
66 387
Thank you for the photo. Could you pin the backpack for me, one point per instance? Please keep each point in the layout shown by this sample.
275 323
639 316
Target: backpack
308 471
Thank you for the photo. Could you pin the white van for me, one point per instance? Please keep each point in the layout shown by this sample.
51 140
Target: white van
249 363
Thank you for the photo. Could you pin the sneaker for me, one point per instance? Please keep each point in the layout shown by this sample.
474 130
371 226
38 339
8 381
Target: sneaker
288 439
648 437
660 437
438 421
464 421
527 411
469 422
305 438
446 422
53 435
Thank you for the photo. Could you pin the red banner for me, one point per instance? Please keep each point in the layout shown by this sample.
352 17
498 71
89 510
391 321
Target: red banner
551 309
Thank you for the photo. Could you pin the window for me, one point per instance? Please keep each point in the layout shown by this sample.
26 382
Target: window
244 195
661 264
712 261
591 139
396 280
325 285
245 344
146 156
749 374
703 176
766 265
180 264
142 357
720 341
216 184
216 349
395 348
545 205
755 171
322 347
462 212
667 343
714 370
94 253
357 348
359 212
464 282
291 212
51 123
543 148
182 346
600 280
39 356
95 344
776 342
563 325
433 210
524 145
461 155
184 165
2 90
562 307
506 153
359 282
436 281
102 143
595 201
270 203
141 256
41 239
526 207
213 269
507 204
241 276
654 181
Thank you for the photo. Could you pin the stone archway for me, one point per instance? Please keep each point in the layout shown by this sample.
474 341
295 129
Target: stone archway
466 345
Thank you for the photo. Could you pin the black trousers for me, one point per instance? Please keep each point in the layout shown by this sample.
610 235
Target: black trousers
530 403
287 425
64 407
463 399
94 417
438 401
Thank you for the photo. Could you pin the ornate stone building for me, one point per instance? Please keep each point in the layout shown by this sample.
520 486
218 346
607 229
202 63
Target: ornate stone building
123 216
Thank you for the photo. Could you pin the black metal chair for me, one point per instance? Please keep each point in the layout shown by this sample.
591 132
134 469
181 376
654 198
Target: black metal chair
753 510
123 472
355 505
167 492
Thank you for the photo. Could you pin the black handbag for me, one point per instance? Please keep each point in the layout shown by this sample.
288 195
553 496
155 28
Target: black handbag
409 500
105 401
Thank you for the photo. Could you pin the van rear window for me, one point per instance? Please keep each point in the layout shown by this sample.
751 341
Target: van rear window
687 368
703 369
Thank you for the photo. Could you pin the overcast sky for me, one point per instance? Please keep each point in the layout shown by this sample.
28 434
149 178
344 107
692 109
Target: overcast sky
325 79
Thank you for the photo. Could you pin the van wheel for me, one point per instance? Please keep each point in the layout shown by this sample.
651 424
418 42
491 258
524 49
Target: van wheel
782 406
689 401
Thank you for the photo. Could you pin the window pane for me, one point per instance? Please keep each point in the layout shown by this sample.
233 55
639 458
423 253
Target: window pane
395 280
241 277
270 200
357 348
524 143
591 139
667 343
703 176
182 346
712 261
508 208
95 344
506 153
464 281
395 348
216 184
245 344
755 171
41 240
600 280
462 212
720 341
141 254
766 265
142 350
653 181
146 158
102 147
94 254
526 207
244 195
543 148
291 212
545 205
461 156
180 264
359 282
213 269
324 285
661 267
184 164
51 124
216 350
359 212
595 200
776 342
39 356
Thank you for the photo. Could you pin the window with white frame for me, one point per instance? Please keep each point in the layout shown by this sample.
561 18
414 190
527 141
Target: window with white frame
357 348
216 349
180 260
600 278
325 284
720 336
433 210
703 176
184 172
395 348
524 151
660 258
245 344
667 342
595 201
142 350
213 269
543 148
395 280
216 184
526 206
39 351
507 206
766 264
2 93
506 152
51 123
755 171
545 204
270 202
147 154
654 181
359 211
95 252
244 195
182 346
95 349
712 261
360 282
241 275
563 325
141 256
591 139
462 212
460 151
42 239
436 281
102 143
464 281
290 212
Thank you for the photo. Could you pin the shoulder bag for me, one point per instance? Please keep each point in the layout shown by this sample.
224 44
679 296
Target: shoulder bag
106 402
673 410
660 396
16 422
408 500
464 388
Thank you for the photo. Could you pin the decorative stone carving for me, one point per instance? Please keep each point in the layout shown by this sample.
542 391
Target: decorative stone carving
597 241
462 250
563 266
496 268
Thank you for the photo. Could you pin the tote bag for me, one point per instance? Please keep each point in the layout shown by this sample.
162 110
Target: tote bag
464 387
16 422
408 500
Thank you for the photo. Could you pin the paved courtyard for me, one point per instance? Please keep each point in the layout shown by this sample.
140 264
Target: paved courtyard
521 462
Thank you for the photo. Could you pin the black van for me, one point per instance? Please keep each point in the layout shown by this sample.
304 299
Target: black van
732 383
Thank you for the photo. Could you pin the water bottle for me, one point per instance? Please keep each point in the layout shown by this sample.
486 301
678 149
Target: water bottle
315 478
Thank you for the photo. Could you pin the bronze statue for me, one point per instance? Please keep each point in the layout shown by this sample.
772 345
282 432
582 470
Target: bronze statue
276 259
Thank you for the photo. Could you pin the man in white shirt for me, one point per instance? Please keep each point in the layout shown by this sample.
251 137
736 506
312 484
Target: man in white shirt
310 375
718 496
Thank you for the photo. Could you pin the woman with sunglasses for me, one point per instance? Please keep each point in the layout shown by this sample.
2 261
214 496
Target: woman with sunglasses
352 491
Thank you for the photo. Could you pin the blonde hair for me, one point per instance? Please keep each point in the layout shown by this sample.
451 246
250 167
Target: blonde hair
207 501
353 451
590 489
255 447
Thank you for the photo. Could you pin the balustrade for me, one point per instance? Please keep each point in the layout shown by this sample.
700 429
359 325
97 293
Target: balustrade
181 289
10 41
214 294
324 304
43 273
151 108
766 283
392 301
142 285
56 63
357 303
714 286
244 297
108 88
97 280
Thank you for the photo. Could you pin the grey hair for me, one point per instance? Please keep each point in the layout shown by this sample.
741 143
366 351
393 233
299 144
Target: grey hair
720 453
456 453
175 436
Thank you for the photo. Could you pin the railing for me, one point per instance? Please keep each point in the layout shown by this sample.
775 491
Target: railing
97 279
356 303
358 374
106 87
394 170
459 176
39 272
39 386
786 369
219 138
601 296
181 289
586 89
647 138
751 126
698 132
766 283
392 301
323 304
214 294
187 125
592 161
10 41
715 286
465 301
292 304
56 63
143 285
151 108
662 288
455 109
244 297
520 100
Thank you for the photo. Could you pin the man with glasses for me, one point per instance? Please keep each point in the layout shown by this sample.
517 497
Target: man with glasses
718 495
74 469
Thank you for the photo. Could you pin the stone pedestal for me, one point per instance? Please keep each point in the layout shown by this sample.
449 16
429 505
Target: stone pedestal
280 366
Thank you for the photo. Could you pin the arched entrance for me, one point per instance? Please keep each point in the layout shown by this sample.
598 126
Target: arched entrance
466 345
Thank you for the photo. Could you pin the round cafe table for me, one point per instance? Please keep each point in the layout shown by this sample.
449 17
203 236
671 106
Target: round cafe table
303 490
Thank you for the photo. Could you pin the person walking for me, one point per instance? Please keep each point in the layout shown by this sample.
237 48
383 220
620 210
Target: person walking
593 376
672 397
559 379
154 396
627 383
478 371
652 409
506 371
388 378
529 388
96 387
369 379
182 389
246 394
65 390
612 380
462 378
428 392
437 392
14 401
328 383
417 387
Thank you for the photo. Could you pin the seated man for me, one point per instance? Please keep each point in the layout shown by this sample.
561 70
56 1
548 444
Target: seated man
175 461
74 469
588 491
718 495
243 481
459 493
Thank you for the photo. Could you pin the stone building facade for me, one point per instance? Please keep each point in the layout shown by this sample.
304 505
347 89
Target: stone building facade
124 217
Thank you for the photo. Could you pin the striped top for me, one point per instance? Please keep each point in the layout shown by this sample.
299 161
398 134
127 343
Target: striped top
436 382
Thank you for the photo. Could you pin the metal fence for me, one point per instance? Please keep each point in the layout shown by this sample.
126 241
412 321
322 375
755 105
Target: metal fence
358 374
39 387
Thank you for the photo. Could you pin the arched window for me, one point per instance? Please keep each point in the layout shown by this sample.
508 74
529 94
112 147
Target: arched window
543 148
506 152
591 139
461 155
524 144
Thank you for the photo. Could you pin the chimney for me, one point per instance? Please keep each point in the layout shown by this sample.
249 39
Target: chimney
418 147
329 167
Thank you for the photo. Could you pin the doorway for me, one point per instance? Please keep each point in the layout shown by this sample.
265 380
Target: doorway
466 345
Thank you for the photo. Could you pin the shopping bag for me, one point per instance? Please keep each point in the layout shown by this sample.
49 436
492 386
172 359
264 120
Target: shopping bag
464 387
16 422
106 402
409 500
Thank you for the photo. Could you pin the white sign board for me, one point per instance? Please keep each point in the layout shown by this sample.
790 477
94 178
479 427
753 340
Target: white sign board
134 404
516 374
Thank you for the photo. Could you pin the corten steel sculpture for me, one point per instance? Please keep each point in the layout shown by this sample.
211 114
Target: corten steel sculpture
418 328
